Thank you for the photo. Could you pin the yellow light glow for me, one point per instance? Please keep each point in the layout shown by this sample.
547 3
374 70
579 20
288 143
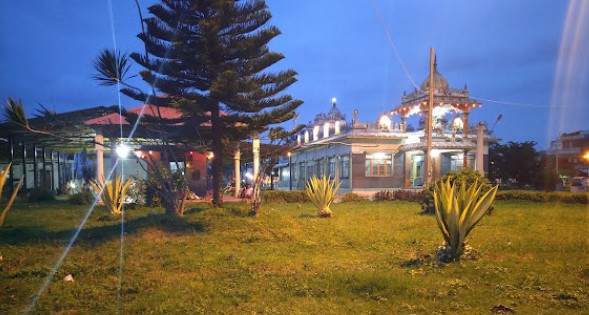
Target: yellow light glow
458 123
384 122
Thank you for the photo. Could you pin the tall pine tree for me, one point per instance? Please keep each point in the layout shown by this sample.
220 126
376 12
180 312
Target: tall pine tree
211 59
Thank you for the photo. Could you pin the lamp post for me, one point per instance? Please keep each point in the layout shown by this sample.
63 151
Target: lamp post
289 171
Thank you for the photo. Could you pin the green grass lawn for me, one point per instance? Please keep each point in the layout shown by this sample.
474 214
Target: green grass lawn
370 258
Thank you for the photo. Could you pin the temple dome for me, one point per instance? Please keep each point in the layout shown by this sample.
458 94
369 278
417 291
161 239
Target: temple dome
440 83
334 114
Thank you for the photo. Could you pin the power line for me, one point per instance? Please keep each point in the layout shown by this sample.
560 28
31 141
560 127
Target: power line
410 78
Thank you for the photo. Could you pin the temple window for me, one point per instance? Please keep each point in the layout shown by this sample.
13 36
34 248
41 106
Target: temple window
379 164
337 128
344 167
326 130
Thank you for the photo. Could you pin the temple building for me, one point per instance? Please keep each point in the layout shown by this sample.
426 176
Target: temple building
387 153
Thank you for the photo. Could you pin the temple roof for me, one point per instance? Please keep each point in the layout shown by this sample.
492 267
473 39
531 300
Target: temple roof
440 83
335 114
444 95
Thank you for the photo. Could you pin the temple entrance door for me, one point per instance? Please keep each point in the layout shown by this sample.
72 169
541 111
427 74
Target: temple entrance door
416 173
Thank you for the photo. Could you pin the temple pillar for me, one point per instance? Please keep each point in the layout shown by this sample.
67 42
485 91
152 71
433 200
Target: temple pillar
465 136
404 123
480 144
99 141
237 161
427 156
465 127
407 178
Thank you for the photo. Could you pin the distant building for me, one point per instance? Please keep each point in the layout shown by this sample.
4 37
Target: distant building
567 154
385 153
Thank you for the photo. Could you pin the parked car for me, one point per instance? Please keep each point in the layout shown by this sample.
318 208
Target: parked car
579 184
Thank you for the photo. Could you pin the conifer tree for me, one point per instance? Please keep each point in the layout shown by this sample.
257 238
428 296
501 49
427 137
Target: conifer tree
210 58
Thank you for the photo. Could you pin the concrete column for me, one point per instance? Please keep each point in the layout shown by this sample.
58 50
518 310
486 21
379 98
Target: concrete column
11 160
24 165
52 171
256 152
480 145
407 163
99 140
237 161
35 167
113 157
465 121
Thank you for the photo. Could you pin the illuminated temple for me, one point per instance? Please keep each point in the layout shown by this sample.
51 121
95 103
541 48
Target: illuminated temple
388 153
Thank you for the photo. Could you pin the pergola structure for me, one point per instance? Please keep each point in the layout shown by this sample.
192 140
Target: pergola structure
45 145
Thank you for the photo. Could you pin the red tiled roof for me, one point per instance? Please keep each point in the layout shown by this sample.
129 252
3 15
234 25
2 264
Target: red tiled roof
148 110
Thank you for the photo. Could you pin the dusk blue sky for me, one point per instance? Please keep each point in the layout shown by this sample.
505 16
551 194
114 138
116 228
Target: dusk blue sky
503 50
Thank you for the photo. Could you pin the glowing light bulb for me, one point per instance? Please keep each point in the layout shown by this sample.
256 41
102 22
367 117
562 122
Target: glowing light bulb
122 150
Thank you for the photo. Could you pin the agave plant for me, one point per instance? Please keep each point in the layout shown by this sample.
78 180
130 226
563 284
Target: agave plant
3 175
458 210
321 192
112 193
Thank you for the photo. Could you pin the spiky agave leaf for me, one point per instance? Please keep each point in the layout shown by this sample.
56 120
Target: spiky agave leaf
458 210
112 193
321 192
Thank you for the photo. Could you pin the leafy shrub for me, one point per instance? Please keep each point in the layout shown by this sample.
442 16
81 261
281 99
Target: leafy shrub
383 195
41 194
83 197
458 209
456 178
152 186
321 192
541 196
352 197
410 195
295 196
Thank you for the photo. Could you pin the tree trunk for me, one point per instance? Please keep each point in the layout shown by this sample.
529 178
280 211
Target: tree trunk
217 159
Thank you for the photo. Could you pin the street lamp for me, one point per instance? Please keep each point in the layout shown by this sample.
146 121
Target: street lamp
289 171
